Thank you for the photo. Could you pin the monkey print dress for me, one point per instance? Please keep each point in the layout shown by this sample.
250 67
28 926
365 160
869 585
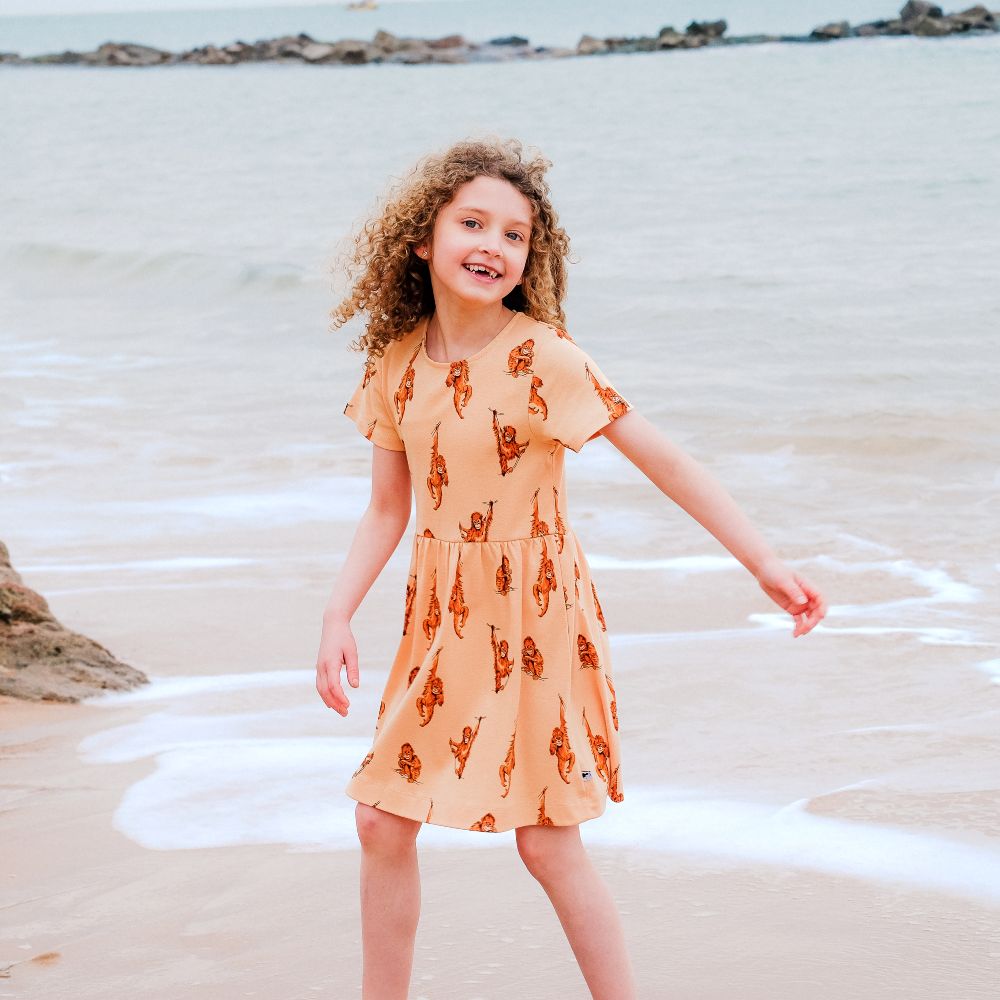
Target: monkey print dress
499 710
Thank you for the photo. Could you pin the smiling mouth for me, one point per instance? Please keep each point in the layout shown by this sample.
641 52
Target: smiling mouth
481 271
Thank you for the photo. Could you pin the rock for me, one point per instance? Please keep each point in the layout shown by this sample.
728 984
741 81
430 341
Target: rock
208 55
129 54
709 29
974 19
448 42
930 27
509 40
915 9
386 41
316 52
11 57
838 29
40 660
670 39
590 46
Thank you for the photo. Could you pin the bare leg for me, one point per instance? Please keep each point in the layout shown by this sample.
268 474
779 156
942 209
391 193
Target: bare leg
390 901
556 857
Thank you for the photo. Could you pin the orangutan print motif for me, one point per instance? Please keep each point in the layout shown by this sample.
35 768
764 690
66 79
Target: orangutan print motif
509 449
519 360
615 404
597 608
535 402
438 478
409 763
461 749
432 694
507 767
479 526
485 825
458 380
560 528
411 593
494 529
546 581
559 745
538 526
433 618
456 603
587 652
504 577
364 763
531 658
542 819
501 663
405 391
599 748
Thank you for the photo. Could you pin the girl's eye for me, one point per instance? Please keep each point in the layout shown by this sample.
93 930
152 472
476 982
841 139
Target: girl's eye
473 221
513 232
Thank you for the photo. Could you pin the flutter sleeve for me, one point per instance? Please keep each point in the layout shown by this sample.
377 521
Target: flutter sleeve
571 400
369 410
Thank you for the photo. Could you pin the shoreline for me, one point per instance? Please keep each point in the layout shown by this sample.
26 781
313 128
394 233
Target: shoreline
915 19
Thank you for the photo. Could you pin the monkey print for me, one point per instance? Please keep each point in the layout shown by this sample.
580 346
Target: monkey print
488 824
519 360
364 763
576 580
538 526
463 747
535 402
501 664
432 694
597 605
438 478
507 767
411 593
587 652
504 577
560 528
458 379
613 790
409 763
559 745
599 748
509 449
614 703
429 810
371 430
546 581
615 404
543 820
369 373
405 390
413 674
456 603
479 526
531 658
433 619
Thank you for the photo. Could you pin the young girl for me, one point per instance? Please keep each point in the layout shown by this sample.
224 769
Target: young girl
499 711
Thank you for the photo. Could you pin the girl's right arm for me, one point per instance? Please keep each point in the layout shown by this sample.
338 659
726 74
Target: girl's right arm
377 535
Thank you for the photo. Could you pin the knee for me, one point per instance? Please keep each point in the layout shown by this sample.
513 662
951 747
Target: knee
545 852
384 832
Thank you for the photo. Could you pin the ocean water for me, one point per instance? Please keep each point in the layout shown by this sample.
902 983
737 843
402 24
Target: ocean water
785 257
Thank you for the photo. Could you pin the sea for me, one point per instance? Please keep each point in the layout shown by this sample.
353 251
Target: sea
784 255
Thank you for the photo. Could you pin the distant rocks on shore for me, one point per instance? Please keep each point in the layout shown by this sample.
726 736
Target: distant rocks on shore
40 660
915 18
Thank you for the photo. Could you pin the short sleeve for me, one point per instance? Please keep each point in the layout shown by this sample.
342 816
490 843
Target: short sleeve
368 409
572 399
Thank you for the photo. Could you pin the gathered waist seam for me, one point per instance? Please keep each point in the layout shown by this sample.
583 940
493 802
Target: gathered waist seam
490 541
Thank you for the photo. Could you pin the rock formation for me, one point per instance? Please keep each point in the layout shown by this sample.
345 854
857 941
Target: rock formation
915 18
40 660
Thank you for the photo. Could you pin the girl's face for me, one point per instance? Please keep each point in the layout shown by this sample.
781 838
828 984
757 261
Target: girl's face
486 225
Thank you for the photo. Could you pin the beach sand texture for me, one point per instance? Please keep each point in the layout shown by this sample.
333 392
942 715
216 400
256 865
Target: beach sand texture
801 299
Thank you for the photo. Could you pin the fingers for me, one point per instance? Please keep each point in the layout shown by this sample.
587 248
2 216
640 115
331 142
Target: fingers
351 661
328 686
808 615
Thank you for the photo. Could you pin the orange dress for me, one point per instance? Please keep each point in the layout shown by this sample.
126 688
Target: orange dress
499 709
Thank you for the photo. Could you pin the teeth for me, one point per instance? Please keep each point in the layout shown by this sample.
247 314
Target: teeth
482 270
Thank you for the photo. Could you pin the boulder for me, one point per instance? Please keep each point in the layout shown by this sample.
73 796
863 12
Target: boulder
974 19
509 40
930 27
837 29
709 29
40 660
915 9
590 46
129 54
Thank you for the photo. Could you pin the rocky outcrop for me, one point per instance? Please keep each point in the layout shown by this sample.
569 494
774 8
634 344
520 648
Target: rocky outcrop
40 660
916 18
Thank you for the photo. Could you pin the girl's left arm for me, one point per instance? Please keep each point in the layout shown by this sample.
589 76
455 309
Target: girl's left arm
692 487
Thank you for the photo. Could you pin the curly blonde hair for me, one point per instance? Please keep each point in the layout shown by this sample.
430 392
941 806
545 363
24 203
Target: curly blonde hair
390 283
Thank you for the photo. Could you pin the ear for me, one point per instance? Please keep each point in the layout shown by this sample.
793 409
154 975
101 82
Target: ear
421 250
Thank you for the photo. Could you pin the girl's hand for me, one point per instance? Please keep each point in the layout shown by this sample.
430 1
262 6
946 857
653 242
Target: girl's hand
337 649
794 594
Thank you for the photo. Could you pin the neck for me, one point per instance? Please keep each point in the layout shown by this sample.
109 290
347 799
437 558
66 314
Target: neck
462 330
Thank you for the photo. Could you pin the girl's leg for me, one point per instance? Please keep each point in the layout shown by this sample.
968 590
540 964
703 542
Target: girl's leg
390 901
556 857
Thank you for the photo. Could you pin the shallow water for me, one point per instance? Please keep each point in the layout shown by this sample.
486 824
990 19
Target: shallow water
785 260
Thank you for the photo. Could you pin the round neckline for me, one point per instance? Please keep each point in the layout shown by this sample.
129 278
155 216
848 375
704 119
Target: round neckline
472 357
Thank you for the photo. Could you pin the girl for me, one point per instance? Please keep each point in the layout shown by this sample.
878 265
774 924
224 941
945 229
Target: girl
499 711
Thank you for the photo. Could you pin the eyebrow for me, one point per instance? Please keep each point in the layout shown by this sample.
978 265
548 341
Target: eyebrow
482 211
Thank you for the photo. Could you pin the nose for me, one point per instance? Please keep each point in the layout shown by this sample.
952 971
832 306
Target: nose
489 243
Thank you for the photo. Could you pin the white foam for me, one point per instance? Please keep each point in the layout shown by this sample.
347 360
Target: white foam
944 589
991 668
174 564
166 688
930 634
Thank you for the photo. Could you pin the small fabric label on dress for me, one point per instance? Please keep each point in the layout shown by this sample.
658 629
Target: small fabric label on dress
586 775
